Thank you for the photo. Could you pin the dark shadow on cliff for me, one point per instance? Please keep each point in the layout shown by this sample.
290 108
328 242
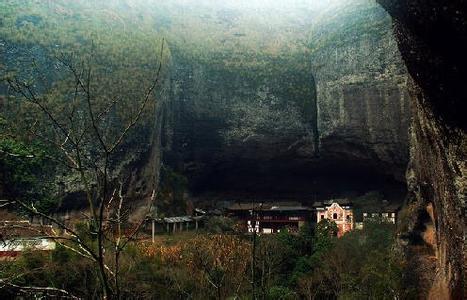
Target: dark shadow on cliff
293 179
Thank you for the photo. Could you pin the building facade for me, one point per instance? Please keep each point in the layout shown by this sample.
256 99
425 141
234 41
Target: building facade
386 213
19 236
274 217
339 211
270 217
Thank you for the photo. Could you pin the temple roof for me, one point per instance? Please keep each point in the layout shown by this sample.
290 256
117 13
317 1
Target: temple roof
343 201
385 208
276 206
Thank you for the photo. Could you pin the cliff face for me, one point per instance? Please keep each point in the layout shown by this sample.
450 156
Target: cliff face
144 152
432 38
363 101
35 37
228 121
333 116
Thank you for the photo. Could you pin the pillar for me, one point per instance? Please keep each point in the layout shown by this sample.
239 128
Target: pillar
153 230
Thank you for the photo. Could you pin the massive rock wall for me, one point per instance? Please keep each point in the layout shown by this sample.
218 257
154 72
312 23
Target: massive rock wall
229 119
335 113
361 83
432 37
144 152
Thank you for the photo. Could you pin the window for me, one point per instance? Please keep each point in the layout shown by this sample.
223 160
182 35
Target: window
334 216
321 217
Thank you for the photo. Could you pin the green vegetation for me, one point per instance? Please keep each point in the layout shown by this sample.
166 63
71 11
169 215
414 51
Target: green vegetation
22 171
88 91
313 264
62 61
39 40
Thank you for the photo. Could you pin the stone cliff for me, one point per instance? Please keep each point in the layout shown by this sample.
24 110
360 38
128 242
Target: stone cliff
432 37
361 83
334 115
231 119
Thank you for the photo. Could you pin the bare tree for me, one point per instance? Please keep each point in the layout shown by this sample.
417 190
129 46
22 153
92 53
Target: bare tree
78 121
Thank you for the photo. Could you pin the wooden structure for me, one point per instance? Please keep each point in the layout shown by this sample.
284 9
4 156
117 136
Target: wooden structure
174 224
387 213
270 217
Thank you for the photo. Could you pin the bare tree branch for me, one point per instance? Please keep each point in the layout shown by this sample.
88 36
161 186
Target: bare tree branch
50 291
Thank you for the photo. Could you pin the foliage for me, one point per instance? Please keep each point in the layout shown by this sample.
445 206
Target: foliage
219 262
52 270
362 264
219 224
22 170
281 293
81 91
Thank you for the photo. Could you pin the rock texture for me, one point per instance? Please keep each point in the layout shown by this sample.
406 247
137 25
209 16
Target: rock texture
432 37
144 154
233 120
363 101
332 119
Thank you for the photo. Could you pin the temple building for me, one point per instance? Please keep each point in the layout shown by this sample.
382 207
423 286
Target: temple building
387 213
270 217
339 211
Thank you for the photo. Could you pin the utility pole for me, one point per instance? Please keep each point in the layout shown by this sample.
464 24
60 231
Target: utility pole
253 253
153 230
153 225
254 218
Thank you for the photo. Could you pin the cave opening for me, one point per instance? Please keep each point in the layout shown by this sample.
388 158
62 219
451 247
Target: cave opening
246 180
327 117
253 100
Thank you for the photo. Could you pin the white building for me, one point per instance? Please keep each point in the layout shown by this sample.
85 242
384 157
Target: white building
19 236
